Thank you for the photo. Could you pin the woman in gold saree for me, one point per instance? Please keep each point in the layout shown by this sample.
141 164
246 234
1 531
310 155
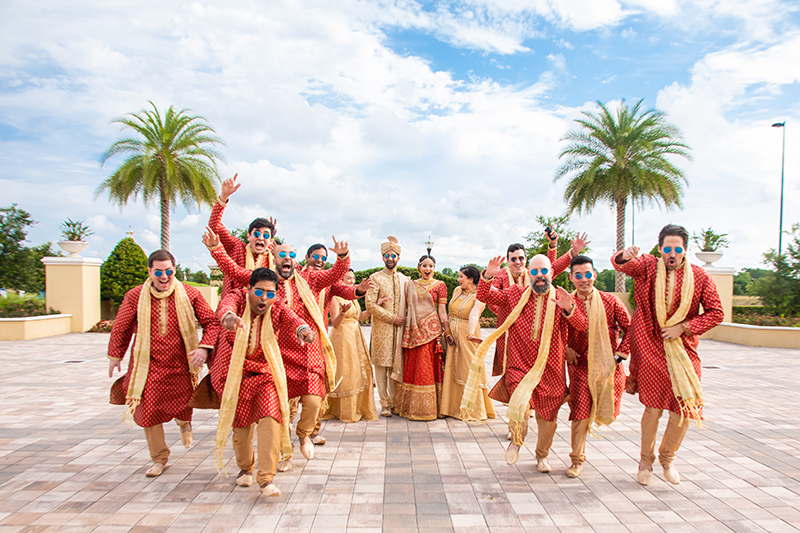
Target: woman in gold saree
417 396
353 399
463 341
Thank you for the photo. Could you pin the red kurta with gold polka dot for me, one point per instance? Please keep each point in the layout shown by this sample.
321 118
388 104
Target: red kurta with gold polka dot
523 348
168 388
648 366
618 320
257 396
501 282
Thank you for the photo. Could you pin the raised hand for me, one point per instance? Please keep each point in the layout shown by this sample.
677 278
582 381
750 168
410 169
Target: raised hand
345 306
563 299
339 248
230 322
493 268
579 243
211 239
552 238
274 222
229 186
364 286
629 253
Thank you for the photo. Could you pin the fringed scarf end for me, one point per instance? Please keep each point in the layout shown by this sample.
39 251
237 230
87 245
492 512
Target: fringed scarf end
219 462
517 428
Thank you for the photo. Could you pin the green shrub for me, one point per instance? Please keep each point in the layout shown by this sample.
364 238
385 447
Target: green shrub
124 269
14 306
749 310
766 320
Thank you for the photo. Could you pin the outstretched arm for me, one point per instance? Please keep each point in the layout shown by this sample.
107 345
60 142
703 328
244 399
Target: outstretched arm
122 331
326 278
629 262
239 274
486 294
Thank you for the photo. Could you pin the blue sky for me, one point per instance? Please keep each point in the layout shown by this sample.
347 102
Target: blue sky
377 117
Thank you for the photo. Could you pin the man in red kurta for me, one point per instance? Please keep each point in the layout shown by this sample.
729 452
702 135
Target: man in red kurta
260 235
165 381
524 337
305 364
649 372
583 276
258 407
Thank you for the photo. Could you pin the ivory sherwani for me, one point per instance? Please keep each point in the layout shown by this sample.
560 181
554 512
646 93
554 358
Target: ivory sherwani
386 339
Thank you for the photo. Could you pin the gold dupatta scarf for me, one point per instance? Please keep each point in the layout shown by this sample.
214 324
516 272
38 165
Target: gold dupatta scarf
601 363
685 383
233 383
512 281
307 295
520 400
422 317
473 385
251 262
141 346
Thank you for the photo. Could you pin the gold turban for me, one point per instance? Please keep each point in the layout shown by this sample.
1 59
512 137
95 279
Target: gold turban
391 246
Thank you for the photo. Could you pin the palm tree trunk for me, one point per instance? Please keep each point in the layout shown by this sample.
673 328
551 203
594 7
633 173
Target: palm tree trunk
622 203
164 217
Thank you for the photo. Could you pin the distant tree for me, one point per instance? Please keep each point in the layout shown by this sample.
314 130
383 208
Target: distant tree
779 289
21 267
124 269
170 159
744 281
620 156
449 272
537 243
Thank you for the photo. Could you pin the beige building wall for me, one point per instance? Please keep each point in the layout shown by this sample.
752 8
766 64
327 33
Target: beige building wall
33 327
72 286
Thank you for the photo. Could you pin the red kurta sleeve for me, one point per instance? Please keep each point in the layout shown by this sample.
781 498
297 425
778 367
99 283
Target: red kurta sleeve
229 267
231 303
623 320
124 325
635 268
206 316
441 289
577 319
285 318
319 279
348 292
713 313
233 245
498 283
490 296
560 264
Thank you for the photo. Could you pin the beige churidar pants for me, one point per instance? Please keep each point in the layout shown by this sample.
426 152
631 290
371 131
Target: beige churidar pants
385 384
269 448
580 428
157 444
546 430
673 436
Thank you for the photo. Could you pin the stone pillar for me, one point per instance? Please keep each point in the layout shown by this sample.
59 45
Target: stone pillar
723 279
73 287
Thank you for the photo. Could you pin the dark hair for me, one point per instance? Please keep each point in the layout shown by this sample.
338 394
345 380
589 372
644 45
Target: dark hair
472 273
351 270
160 255
315 247
424 257
580 260
672 230
263 274
261 223
513 248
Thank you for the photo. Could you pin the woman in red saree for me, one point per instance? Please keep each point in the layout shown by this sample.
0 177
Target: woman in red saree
417 396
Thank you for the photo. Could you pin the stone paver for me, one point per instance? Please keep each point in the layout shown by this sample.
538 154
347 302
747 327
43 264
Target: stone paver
68 463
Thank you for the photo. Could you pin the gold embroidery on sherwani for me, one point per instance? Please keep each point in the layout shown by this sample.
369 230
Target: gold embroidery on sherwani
385 336
537 315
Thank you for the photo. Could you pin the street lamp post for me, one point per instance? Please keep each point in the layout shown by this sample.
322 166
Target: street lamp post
781 125
429 245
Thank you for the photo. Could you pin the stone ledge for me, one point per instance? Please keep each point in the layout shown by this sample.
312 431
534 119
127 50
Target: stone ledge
748 335
34 327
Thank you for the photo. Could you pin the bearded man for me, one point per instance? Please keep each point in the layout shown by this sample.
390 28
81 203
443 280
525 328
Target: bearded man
665 333
388 318
594 359
260 238
166 356
251 380
537 325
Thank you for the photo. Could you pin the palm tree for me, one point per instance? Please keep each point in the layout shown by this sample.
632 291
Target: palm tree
170 159
622 155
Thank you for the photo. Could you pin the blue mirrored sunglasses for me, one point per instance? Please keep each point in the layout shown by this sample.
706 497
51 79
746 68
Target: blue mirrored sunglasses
535 271
261 292
258 234
159 273
390 256
668 250
318 257
284 254
579 275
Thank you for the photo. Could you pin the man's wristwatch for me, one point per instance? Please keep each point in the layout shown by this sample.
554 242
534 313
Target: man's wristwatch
618 359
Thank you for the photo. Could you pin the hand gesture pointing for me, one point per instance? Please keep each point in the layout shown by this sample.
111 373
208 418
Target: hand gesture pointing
339 248
563 299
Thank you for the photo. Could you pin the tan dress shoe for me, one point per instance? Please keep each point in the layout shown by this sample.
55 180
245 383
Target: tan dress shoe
671 474
318 440
186 438
386 412
285 465
245 478
574 470
307 448
269 489
644 476
543 466
155 470
512 454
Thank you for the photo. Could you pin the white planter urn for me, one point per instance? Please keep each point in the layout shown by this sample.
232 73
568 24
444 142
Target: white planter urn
73 247
707 257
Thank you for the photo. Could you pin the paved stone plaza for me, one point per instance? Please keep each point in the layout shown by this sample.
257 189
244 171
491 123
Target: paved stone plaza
68 463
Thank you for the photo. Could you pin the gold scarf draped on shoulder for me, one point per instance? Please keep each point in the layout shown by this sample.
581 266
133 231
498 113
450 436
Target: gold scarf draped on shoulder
601 363
233 383
142 345
251 262
472 387
685 383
